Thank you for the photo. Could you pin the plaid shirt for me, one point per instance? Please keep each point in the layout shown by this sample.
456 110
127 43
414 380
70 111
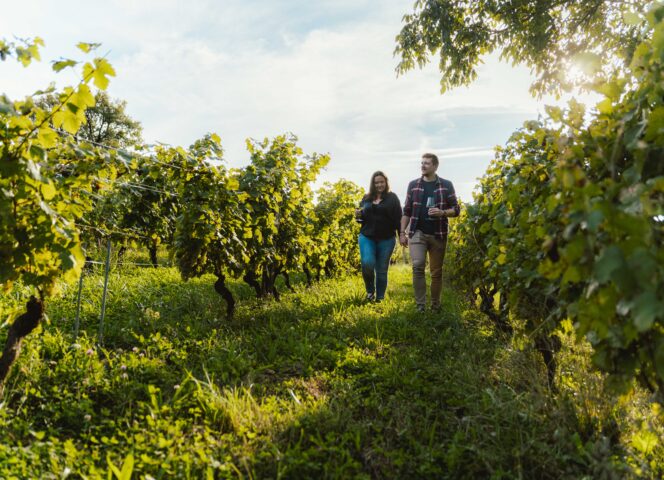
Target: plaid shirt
445 199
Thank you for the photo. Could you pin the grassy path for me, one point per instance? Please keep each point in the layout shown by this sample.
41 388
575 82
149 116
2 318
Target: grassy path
317 385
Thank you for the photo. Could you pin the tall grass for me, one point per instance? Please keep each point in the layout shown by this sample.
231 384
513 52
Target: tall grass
320 384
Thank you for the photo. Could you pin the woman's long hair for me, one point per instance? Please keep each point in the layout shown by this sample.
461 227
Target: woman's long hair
372 188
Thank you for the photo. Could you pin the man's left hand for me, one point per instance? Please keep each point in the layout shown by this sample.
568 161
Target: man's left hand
436 212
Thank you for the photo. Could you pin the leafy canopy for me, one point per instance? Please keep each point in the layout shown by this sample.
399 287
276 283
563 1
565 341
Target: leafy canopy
45 179
553 37
567 222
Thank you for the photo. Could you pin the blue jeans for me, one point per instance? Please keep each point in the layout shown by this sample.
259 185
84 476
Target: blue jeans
375 257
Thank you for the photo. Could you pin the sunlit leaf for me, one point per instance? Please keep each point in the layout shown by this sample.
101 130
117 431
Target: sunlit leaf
62 64
87 47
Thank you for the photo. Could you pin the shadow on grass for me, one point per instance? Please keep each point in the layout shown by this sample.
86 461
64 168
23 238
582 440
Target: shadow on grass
379 390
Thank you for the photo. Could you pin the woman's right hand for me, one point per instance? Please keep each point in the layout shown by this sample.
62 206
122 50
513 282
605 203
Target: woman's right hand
403 239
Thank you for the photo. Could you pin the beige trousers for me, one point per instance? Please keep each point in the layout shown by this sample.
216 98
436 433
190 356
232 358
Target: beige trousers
419 245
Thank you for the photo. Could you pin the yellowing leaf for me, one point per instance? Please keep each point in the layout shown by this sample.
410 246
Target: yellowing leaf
48 191
233 184
20 122
102 70
88 72
645 441
34 51
62 64
47 137
84 97
58 118
87 47
127 468
71 123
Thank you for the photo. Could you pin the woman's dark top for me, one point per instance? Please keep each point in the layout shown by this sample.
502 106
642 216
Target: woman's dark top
381 221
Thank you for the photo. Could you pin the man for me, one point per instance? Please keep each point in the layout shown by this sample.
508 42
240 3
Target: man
424 229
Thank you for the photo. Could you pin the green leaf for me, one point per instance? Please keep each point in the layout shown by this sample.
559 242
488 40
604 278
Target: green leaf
127 468
632 18
115 470
6 107
556 113
600 358
655 130
612 89
610 260
605 106
568 178
646 309
571 275
588 62
594 220
659 357
58 118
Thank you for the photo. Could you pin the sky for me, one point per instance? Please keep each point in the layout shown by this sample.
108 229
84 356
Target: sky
323 70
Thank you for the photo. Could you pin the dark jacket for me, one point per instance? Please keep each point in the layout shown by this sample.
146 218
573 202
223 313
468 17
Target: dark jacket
381 221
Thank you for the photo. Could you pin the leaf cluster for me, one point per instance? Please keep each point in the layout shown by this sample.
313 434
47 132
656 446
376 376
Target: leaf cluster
337 228
45 178
261 221
568 222
551 37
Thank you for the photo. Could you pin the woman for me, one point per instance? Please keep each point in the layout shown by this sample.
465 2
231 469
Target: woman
380 214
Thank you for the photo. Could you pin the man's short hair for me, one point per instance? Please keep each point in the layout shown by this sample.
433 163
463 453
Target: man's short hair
433 157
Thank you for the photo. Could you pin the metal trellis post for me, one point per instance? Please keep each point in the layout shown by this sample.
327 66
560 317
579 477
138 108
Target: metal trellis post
78 304
103 298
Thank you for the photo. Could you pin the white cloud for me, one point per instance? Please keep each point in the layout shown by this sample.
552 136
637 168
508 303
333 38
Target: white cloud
322 70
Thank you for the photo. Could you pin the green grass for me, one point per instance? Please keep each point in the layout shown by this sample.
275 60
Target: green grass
317 385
